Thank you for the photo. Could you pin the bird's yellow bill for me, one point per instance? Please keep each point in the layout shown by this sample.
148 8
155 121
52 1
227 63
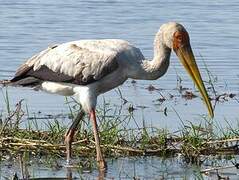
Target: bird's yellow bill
186 56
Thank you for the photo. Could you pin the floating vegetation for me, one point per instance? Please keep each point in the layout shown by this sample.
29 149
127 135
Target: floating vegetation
192 141
189 95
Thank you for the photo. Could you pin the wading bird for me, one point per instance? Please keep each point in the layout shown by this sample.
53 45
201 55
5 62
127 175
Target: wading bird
88 68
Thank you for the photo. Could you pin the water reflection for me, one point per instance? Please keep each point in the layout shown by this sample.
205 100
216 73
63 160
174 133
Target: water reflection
126 168
69 173
100 175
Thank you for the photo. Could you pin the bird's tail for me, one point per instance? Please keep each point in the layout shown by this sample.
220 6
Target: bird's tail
5 82
24 82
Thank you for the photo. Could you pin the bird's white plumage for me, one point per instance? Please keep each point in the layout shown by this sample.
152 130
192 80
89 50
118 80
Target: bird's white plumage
69 58
64 89
85 94
86 56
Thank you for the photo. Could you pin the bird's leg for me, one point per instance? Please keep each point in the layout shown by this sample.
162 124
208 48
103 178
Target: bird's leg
70 134
99 155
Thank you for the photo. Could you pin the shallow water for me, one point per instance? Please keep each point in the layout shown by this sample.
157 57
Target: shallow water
125 168
26 27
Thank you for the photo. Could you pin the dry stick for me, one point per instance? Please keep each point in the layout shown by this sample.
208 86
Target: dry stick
129 149
217 168
80 141
35 144
120 148
22 140
28 142
222 141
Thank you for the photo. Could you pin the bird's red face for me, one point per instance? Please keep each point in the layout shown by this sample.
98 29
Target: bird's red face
180 39
181 46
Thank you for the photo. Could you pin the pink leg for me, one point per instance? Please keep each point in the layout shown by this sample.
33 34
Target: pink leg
70 134
99 156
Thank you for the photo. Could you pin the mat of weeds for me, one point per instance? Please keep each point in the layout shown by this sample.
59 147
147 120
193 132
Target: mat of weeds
192 141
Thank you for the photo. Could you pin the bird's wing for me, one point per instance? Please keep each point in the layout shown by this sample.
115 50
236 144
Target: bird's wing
69 62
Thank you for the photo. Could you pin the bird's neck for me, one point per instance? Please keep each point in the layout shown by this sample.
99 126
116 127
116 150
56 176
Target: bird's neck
157 67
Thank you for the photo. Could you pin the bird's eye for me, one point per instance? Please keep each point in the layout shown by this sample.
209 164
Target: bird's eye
180 39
